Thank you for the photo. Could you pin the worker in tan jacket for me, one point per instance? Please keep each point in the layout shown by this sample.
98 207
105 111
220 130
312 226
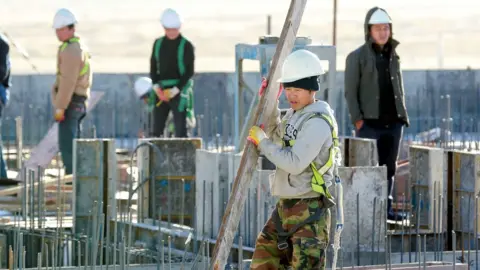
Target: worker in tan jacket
72 85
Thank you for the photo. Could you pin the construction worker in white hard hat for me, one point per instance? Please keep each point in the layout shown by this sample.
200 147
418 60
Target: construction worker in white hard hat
375 95
143 88
171 70
72 84
304 148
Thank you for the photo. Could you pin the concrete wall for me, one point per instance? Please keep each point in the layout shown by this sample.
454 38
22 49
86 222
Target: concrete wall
120 115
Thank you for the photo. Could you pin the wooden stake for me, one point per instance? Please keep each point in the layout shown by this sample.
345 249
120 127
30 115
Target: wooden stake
248 163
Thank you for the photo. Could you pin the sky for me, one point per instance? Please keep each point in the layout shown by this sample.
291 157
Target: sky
433 34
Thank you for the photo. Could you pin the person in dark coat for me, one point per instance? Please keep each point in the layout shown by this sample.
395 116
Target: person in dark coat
374 93
5 84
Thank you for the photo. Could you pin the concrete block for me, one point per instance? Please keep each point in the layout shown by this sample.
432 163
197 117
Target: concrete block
211 180
258 207
463 185
214 179
94 183
94 180
401 188
259 204
358 152
427 182
364 220
172 165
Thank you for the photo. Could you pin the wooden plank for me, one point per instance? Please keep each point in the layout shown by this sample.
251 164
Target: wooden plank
47 207
248 163
47 182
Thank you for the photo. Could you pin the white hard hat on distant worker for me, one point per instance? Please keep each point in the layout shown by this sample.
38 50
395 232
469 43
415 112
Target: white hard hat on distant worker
64 17
299 65
142 86
171 19
379 17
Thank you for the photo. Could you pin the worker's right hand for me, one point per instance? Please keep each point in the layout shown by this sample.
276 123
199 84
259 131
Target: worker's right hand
359 124
160 94
256 135
264 85
59 115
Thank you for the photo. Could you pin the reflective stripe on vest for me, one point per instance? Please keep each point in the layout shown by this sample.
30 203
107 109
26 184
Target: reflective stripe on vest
181 66
86 65
318 183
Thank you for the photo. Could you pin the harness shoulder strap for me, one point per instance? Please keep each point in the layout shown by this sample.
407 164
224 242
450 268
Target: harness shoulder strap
86 55
180 55
317 115
158 44
156 52
332 150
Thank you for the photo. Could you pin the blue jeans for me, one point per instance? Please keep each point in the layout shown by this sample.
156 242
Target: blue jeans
3 101
3 164
68 130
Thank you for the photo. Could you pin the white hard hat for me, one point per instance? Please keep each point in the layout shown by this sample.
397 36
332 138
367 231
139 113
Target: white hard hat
171 19
299 65
379 17
63 17
142 86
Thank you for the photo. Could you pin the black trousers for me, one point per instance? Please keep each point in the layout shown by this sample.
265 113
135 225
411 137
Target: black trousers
388 144
160 115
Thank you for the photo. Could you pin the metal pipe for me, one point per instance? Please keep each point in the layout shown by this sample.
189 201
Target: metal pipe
334 34
373 228
454 248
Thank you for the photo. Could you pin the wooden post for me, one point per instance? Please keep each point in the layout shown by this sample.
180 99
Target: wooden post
248 163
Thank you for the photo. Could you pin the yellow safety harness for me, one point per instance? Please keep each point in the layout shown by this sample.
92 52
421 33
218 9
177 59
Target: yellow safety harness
86 55
318 183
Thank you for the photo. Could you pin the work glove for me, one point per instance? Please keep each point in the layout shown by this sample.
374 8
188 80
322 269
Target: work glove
59 115
264 85
256 135
172 92
160 94
183 102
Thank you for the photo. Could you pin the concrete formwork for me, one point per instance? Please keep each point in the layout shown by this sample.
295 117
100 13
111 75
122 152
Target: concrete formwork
171 163
365 194
428 184
358 152
449 184
94 187
463 178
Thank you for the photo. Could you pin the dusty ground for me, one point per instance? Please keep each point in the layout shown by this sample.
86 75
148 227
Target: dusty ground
120 33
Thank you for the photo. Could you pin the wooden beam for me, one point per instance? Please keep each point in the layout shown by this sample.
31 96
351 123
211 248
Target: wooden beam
248 163
47 207
46 182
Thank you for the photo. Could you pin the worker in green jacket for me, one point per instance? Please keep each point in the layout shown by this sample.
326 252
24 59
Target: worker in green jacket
171 71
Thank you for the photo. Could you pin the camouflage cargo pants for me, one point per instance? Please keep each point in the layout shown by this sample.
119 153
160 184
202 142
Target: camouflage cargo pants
306 246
